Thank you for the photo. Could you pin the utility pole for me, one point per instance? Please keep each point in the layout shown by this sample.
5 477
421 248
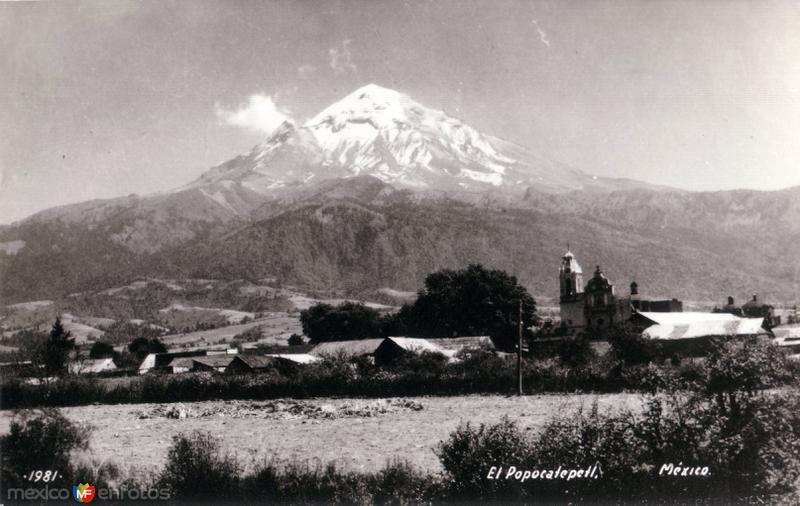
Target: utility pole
519 351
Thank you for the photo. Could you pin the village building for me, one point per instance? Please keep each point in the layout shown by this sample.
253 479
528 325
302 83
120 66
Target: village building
384 351
788 338
163 362
247 364
295 358
394 347
346 349
281 362
694 333
92 366
595 306
178 365
656 306
754 308
454 345
212 363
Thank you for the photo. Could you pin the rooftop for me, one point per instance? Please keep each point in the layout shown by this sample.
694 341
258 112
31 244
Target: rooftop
712 328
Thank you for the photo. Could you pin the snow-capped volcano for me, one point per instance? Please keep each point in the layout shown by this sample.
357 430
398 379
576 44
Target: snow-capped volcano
383 133
386 134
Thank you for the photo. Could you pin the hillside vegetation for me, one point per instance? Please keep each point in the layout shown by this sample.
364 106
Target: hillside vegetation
695 246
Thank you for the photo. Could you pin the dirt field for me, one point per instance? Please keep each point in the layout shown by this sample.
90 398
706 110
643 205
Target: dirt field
358 434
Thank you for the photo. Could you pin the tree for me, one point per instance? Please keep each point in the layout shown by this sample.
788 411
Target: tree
737 369
53 354
471 301
101 350
628 345
296 340
142 346
42 439
347 321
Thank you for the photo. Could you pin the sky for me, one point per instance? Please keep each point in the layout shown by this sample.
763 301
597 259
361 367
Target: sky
103 99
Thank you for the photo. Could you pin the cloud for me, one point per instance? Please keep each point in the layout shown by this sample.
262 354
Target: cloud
306 70
259 113
542 35
341 58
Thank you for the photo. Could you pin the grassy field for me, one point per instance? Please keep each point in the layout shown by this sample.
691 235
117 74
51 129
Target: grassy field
358 434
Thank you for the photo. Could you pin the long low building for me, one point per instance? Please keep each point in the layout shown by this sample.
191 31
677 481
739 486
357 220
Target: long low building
788 338
385 350
706 329
169 360
243 364
694 333
648 318
92 366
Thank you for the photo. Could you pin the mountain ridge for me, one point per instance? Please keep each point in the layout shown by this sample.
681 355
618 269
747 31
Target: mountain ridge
341 163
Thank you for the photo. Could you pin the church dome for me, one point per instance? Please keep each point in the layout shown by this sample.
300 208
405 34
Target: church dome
754 304
598 283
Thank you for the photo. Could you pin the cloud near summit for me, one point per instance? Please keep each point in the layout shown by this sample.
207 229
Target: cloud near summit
259 113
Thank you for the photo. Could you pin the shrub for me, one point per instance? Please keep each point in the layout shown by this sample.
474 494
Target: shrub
263 484
322 485
40 439
426 362
469 453
575 351
399 483
630 347
747 436
196 469
250 335
482 370
739 368
296 340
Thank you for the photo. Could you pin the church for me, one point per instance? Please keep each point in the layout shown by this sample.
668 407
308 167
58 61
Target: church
595 306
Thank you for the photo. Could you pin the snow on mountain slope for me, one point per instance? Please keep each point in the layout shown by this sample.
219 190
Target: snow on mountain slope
397 140
373 132
382 133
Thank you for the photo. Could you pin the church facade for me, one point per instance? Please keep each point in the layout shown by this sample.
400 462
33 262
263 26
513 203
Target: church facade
595 306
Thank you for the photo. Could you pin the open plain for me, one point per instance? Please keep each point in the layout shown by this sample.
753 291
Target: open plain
356 434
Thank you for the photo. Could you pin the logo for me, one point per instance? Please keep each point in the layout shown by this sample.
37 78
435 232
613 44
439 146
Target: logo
83 492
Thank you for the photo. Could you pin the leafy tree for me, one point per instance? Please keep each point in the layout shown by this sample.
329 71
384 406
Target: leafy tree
468 453
296 340
101 350
471 301
628 345
141 346
347 321
40 439
737 369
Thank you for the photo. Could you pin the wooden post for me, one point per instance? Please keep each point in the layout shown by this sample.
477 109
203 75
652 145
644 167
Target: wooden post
519 351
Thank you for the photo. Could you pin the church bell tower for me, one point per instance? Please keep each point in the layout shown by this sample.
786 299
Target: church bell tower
570 276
